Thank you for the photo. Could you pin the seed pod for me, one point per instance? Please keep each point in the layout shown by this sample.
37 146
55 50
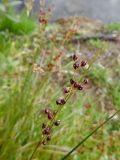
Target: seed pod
46 131
48 138
43 142
76 65
57 123
72 81
47 110
75 85
74 57
61 101
58 102
86 81
43 125
79 87
66 90
50 115
83 63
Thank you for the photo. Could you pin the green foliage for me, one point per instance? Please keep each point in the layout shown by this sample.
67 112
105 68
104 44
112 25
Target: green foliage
113 27
23 25
99 74
97 44
24 94
4 41
8 45
115 91
14 23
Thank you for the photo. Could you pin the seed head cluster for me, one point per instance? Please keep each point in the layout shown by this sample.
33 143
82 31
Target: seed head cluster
46 129
74 85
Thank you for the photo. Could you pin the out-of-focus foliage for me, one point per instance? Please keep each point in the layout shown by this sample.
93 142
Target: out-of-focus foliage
113 27
24 94
14 22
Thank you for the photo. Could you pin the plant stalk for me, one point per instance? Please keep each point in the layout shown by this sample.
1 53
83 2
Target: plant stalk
69 95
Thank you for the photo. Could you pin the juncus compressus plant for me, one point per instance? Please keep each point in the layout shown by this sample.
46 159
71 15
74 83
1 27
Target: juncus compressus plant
75 85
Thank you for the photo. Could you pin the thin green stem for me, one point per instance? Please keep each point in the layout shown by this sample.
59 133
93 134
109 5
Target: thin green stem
94 131
38 144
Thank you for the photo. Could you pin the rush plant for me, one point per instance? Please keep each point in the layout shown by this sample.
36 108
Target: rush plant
39 96
75 85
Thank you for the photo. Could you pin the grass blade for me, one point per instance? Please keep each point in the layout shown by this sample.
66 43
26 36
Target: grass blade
94 131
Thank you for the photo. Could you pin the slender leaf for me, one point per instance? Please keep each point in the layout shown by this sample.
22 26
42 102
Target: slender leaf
85 139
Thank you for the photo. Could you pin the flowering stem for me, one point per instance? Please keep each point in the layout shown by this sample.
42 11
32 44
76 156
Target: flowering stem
67 98
94 131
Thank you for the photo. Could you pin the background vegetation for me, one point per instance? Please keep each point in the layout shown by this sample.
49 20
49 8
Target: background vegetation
25 93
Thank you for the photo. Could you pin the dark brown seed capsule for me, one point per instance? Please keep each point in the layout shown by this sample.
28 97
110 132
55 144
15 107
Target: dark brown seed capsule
75 85
75 57
50 115
48 138
79 87
43 125
66 90
47 110
57 123
43 142
83 63
72 81
86 81
61 101
76 65
58 102
46 131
